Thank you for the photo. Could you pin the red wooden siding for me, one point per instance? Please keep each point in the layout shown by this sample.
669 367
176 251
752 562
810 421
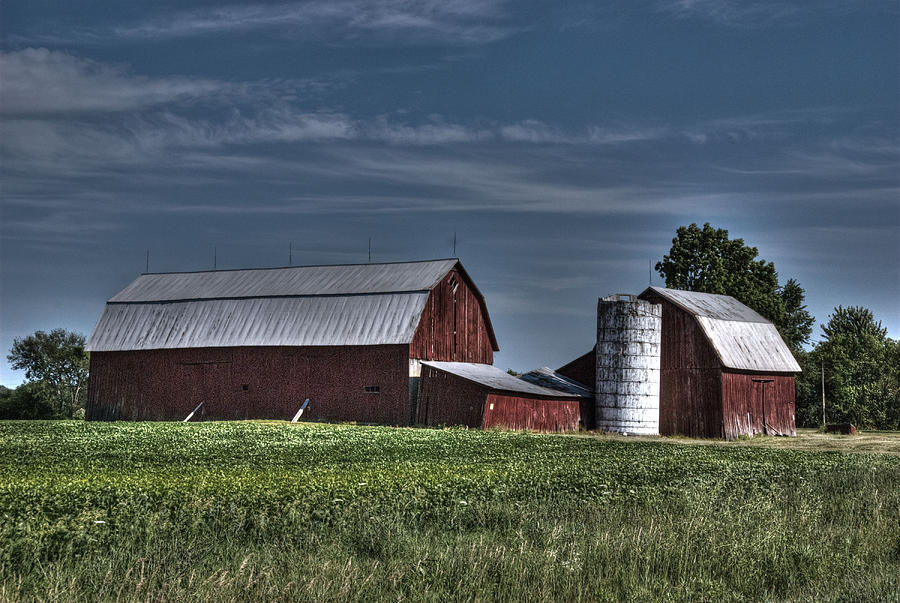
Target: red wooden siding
452 330
534 414
583 369
690 388
445 399
752 406
168 384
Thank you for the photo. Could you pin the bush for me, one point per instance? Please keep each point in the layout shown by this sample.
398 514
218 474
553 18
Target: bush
28 401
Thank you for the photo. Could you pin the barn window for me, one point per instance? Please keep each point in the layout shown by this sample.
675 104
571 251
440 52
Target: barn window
454 284
245 387
373 389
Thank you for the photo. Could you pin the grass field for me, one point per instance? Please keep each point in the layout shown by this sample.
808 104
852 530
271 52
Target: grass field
271 511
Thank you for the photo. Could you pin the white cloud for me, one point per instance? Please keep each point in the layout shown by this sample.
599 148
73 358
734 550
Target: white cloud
766 13
37 80
402 21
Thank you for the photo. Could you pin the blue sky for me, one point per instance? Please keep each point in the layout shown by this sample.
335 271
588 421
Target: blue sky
563 142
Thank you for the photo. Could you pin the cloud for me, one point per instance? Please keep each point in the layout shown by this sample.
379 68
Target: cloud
455 22
767 13
175 139
37 80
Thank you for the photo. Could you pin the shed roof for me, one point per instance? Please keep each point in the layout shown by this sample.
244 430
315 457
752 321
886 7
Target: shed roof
742 339
357 304
547 377
492 377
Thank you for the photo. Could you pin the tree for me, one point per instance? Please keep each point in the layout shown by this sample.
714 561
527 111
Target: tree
862 373
706 260
798 323
57 361
28 401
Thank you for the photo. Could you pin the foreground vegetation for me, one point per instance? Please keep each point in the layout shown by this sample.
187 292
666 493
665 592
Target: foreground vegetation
273 511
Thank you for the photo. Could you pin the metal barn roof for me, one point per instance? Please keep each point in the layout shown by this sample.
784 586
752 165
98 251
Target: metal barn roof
360 304
547 377
492 377
742 338
287 321
345 279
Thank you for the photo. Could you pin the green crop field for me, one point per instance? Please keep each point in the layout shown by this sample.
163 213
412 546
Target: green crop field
271 511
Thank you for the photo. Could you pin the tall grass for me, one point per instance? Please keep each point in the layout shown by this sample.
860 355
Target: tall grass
322 512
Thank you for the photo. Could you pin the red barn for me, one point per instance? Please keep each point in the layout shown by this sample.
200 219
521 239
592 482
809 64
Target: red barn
725 370
483 396
257 343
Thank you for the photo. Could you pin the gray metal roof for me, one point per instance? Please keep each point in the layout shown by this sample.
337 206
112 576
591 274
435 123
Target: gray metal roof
710 305
361 304
496 379
278 282
280 321
742 339
547 377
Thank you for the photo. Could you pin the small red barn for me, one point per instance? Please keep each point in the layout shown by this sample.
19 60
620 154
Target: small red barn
483 396
257 343
725 370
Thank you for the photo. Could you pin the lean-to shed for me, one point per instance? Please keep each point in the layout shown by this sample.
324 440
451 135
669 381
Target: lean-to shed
483 396
725 370
256 343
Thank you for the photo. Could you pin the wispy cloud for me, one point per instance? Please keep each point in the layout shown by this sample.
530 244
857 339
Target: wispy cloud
175 134
766 13
42 81
401 21
37 80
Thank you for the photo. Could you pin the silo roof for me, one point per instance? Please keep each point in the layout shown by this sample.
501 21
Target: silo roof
741 337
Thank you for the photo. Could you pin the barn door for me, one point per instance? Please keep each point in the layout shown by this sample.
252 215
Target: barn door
763 403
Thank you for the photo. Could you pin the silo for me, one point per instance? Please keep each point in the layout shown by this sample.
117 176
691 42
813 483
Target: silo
628 344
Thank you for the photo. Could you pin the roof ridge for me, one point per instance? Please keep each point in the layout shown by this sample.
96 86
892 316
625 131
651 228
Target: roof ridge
285 296
300 266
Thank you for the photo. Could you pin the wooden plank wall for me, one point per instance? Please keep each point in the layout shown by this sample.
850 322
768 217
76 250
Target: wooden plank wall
746 412
534 414
434 337
690 383
252 383
446 399
583 369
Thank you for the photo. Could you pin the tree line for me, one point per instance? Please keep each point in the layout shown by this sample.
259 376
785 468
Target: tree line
860 362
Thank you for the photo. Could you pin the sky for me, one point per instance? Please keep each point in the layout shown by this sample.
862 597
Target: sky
562 143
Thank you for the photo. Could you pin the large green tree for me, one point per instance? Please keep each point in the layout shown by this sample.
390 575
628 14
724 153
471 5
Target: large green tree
58 362
705 259
862 373
861 370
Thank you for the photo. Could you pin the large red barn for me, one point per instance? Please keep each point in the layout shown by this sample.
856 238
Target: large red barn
257 343
725 370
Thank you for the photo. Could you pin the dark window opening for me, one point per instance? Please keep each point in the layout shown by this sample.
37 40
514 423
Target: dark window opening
373 389
245 387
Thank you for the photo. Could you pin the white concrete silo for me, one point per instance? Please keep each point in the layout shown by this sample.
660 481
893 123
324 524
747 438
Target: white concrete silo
628 365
